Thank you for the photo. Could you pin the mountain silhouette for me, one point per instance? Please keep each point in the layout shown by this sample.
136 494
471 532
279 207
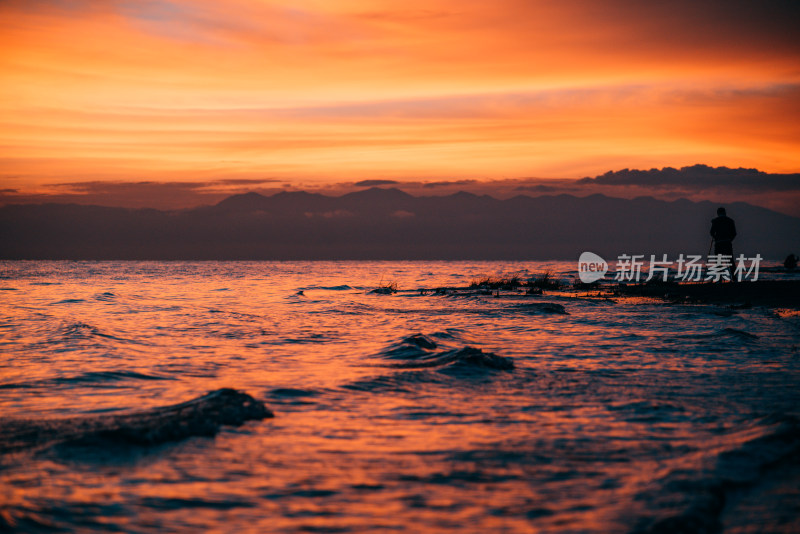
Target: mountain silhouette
386 223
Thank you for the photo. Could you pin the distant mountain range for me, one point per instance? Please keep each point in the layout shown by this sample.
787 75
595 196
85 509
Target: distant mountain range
386 223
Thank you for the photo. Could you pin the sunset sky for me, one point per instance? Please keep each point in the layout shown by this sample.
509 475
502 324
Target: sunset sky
312 92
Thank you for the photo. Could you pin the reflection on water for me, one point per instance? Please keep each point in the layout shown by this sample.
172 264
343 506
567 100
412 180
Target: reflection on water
406 412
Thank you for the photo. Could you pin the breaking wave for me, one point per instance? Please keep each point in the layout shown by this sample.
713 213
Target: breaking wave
691 497
202 416
467 357
427 359
419 351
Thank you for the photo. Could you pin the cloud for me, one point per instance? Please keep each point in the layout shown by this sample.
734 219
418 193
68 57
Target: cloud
699 178
665 30
240 181
431 185
101 187
375 183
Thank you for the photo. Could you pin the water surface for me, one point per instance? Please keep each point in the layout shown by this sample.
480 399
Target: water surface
618 415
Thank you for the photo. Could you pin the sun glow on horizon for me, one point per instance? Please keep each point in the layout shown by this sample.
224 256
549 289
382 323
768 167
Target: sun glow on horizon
326 91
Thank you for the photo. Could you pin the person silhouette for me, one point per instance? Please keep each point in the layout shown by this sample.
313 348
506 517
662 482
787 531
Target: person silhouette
790 263
723 230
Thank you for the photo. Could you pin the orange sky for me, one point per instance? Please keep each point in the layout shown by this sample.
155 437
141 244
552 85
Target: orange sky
316 91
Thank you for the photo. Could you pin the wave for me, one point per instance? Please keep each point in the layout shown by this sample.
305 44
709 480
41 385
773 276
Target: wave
543 308
202 416
183 503
407 382
108 376
464 357
738 334
292 393
730 334
413 346
343 287
293 396
90 378
527 308
418 351
82 332
691 498
427 359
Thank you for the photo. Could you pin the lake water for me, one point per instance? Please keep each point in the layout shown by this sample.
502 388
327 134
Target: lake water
622 415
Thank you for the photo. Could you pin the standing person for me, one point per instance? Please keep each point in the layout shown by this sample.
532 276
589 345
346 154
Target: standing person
723 230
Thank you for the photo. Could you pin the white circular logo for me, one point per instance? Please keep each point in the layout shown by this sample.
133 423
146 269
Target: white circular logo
591 267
